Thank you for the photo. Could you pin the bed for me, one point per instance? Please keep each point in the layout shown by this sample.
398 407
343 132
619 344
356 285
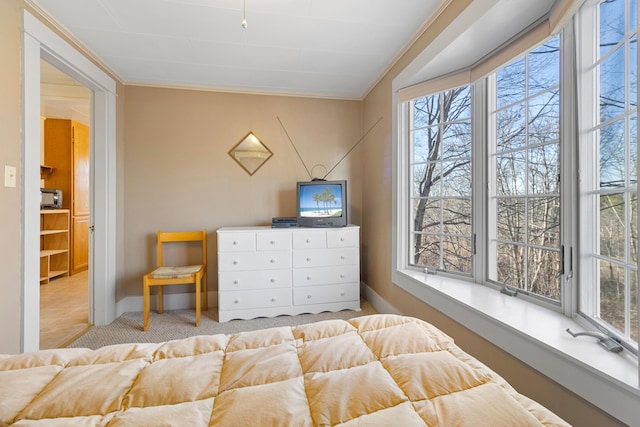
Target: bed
377 370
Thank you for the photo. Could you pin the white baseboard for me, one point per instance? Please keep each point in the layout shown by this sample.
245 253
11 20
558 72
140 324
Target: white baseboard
380 304
180 301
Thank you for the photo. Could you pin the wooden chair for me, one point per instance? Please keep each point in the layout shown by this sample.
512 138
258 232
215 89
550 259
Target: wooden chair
174 275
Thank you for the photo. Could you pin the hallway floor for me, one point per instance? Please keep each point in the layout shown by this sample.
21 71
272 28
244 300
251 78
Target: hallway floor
64 310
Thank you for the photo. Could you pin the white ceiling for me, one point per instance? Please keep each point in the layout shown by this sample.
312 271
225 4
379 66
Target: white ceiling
333 48
325 48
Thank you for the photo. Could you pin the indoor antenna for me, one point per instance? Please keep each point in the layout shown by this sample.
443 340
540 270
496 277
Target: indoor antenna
339 161
294 147
354 146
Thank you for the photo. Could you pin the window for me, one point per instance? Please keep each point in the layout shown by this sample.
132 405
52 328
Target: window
524 162
540 192
521 127
440 135
608 155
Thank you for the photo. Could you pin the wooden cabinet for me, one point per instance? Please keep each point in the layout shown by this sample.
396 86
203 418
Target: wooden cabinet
80 244
66 150
264 271
54 244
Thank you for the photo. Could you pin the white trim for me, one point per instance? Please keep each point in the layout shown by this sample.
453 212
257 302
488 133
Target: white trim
40 42
67 33
103 208
63 55
30 200
380 304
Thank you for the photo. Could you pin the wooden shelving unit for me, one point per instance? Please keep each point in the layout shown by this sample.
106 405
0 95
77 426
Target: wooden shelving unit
66 155
54 244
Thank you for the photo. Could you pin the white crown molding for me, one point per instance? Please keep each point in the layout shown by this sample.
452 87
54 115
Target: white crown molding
240 91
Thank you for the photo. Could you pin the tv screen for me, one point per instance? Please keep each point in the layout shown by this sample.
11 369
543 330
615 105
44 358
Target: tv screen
322 204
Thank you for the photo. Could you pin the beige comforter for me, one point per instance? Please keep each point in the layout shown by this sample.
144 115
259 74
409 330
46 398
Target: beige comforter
380 370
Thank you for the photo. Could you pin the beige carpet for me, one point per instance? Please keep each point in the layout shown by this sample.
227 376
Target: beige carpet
178 324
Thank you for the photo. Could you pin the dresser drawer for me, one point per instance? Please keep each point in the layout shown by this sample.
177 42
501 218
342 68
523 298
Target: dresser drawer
236 242
273 241
242 300
238 280
244 261
343 237
326 275
326 294
326 257
309 239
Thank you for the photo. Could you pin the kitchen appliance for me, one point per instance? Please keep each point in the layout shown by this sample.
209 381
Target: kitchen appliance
50 198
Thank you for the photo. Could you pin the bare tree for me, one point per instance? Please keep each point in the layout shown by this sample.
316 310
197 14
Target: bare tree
441 154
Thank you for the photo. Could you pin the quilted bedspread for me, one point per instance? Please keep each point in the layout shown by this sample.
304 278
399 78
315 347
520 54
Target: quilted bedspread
379 370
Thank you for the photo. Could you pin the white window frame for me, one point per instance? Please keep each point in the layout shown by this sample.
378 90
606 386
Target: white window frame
588 152
491 143
609 381
441 235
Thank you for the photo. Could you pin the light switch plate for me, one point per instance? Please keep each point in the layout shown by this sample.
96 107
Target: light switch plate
9 176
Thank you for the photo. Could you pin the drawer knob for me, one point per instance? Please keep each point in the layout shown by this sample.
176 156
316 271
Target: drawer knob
308 259
273 280
235 282
342 239
273 299
342 257
235 242
273 242
341 294
272 261
308 277
309 297
308 240
342 276
236 262
236 301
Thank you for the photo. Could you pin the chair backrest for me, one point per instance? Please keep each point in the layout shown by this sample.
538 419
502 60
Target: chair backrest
181 236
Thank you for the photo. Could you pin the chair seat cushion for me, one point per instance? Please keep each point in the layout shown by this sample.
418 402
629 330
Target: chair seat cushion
174 272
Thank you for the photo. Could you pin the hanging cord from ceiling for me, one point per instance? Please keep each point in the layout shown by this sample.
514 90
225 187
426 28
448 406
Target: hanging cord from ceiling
244 14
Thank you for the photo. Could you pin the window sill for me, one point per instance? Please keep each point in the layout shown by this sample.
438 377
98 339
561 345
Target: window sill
538 337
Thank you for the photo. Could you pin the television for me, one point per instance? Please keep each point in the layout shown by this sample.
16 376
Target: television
322 203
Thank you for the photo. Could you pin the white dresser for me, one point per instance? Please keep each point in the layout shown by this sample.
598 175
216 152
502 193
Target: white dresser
264 271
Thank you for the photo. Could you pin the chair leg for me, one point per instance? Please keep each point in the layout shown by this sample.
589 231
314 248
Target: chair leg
146 297
204 291
198 301
160 300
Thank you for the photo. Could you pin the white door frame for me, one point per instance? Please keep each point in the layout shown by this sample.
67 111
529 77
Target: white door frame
40 42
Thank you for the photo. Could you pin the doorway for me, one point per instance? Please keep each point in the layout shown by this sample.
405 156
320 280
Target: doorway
65 117
40 42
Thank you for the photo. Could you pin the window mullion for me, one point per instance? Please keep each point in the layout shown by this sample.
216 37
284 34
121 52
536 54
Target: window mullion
481 194
569 180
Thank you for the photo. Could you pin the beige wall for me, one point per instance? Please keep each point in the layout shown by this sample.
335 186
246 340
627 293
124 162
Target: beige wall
376 241
11 246
179 175
172 145
10 147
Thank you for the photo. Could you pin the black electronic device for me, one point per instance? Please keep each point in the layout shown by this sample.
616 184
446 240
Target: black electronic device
284 222
322 203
